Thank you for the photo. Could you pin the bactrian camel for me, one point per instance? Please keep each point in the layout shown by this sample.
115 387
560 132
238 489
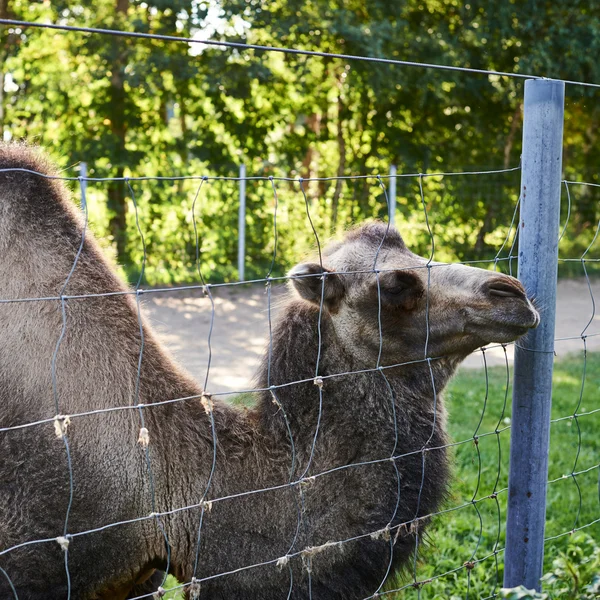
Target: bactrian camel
308 441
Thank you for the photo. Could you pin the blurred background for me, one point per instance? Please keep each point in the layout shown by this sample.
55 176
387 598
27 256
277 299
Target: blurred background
133 107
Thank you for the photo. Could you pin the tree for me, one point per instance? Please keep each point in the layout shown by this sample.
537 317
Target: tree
146 107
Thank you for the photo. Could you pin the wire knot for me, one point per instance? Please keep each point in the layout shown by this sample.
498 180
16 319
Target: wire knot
307 481
382 534
144 437
61 423
207 402
194 590
274 398
308 553
63 542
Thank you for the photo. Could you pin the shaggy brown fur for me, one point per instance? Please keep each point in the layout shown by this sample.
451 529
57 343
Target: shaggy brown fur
97 364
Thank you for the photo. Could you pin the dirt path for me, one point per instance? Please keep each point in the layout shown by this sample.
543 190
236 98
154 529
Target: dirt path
240 331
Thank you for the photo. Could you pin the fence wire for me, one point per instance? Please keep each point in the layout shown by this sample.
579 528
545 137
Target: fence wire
485 503
297 51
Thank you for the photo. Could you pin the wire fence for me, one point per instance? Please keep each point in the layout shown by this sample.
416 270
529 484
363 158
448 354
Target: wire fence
479 501
297 500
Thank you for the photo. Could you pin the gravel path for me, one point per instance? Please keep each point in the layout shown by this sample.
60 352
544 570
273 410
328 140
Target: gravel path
240 331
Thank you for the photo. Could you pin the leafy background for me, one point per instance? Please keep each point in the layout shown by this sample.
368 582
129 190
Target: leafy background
130 107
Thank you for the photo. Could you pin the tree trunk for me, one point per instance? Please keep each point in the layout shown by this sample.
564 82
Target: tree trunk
117 197
511 134
488 220
313 122
4 14
2 59
117 204
341 141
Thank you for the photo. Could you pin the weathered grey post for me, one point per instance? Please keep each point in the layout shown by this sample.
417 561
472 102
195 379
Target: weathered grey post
83 183
534 354
392 194
242 224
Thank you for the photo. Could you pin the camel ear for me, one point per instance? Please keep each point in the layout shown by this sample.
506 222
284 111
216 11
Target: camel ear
314 282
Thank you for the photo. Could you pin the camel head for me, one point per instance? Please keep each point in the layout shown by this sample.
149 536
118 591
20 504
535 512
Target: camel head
424 308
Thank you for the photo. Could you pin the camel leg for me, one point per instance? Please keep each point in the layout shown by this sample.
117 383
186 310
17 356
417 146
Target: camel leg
147 584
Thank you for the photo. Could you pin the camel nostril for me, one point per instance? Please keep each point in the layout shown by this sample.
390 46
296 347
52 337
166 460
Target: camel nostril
504 289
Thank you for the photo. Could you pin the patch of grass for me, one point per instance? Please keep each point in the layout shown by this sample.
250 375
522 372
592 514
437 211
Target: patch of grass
246 399
470 534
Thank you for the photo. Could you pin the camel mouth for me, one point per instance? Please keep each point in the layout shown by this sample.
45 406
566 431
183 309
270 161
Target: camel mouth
519 327
524 325
534 314
537 320
507 325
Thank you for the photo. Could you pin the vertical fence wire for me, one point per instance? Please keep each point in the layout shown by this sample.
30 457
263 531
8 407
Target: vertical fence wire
144 437
194 590
392 396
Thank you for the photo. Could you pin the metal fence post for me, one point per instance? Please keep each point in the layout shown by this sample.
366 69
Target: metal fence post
392 198
534 354
83 183
242 224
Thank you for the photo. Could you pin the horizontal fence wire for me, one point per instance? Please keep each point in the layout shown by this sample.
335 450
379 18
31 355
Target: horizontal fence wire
485 499
296 51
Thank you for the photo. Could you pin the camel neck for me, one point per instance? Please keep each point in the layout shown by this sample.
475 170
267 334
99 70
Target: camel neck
330 390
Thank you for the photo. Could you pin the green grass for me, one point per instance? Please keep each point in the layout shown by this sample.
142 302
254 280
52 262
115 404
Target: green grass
460 536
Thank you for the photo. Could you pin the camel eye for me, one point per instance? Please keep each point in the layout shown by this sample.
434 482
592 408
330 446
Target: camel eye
400 289
397 295
397 290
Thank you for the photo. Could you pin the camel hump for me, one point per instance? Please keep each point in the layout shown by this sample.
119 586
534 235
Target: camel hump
19 155
28 176
31 195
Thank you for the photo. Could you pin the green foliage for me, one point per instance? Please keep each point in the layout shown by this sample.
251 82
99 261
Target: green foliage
522 593
170 584
575 574
133 108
